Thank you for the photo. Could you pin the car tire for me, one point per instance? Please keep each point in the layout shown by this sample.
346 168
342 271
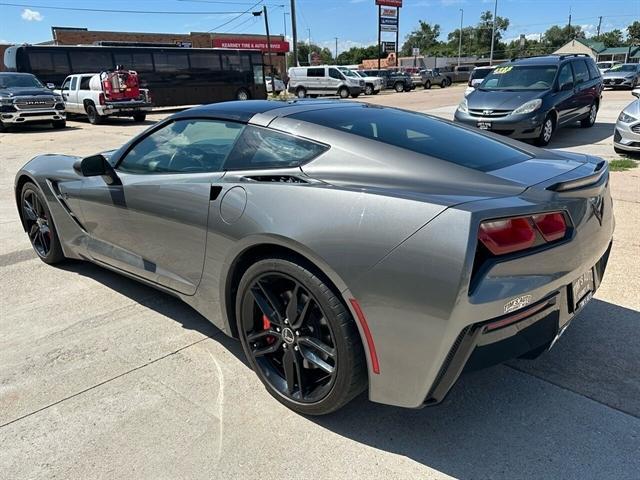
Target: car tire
547 131
343 92
92 114
39 224
399 87
243 94
443 83
139 117
591 117
427 85
368 90
375 92
57 124
323 331
301 92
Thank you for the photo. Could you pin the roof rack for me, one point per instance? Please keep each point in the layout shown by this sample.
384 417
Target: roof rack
562 57
533 56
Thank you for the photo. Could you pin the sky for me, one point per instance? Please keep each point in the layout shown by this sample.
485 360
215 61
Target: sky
352 21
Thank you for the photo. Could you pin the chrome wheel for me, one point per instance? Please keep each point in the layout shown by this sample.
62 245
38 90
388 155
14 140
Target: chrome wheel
547 130
287 334
242 95
37 223
592 114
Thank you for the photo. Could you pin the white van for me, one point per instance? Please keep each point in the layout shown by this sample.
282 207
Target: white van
324 80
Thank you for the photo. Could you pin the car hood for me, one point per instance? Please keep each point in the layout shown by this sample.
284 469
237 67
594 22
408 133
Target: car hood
500 99
25 91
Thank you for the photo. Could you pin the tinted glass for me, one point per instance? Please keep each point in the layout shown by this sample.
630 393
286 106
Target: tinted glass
566 75
482 73
334 73
49 62
8 81
171 61
204 61
84 82
184 146
525 77
263 148
580 71
140 62
74 83
90 61
593 70
230 61
419 133
315 72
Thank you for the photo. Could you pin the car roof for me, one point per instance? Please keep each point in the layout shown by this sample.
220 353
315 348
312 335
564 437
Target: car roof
22 74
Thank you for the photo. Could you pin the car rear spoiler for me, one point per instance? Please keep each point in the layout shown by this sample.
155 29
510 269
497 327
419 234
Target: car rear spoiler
599 173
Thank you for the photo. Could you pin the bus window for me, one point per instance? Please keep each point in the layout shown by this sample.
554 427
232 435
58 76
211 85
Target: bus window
204 61
230 61
90 61
171 61
140 62
49 62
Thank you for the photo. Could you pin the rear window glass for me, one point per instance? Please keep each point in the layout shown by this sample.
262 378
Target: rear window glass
580 71
481 73
419 133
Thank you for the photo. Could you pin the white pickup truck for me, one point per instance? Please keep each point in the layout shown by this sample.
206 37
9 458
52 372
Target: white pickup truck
82 96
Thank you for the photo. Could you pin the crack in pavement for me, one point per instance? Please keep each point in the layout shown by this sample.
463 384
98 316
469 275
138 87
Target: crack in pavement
139 367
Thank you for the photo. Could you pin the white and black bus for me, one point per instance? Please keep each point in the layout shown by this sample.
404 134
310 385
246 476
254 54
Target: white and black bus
175 76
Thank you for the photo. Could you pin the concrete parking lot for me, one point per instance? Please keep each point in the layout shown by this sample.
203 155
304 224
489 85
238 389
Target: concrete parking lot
101 377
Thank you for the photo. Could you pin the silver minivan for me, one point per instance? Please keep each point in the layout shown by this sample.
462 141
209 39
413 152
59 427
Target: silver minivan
324 80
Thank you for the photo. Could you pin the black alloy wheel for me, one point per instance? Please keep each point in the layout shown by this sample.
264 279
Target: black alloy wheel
39 225
299 338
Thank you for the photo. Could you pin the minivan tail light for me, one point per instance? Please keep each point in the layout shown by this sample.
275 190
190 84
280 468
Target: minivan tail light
507 235
552 226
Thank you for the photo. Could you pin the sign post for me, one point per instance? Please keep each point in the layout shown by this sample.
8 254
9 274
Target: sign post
388 21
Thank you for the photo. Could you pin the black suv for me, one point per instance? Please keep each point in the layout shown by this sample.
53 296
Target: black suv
399 81
530 98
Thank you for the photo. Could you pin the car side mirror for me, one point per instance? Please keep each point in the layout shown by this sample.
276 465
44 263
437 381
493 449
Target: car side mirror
565 87
97 165
50 86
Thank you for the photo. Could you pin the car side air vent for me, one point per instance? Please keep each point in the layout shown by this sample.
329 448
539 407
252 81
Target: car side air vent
276 179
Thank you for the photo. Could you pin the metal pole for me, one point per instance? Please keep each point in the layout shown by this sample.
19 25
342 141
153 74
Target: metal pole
286 54
460 34
599 24
379 14
493 31
570 35
294 33
398 39
336 49
266 24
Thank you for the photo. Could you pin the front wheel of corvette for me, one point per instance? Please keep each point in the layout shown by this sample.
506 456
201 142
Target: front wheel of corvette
299 337
39 225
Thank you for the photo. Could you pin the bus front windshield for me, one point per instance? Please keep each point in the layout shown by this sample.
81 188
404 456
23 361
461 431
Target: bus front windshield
525 77
28 81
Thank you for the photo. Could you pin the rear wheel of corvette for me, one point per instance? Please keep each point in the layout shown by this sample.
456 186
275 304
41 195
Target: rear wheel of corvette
39 225
548 127
299 337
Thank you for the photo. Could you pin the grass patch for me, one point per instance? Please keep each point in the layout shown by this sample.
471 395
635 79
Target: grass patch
622 164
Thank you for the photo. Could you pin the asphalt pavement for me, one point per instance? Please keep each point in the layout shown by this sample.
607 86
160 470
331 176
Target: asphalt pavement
101 377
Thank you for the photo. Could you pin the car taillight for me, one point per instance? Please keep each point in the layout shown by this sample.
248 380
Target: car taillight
508 235
552 226
101 99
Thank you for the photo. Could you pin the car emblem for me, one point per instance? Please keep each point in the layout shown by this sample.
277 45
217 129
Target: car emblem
597 205
287 335
517 303
487 112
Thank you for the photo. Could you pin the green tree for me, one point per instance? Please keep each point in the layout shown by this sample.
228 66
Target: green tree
355 55
425 37
557 36
304 49
614 38
483 34
633 32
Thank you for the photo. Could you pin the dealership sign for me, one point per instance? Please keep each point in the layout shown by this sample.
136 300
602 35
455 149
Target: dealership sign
388 21
388 28
389 3
389 12
240 43
388 47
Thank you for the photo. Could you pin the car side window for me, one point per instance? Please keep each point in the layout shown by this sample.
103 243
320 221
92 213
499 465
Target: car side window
565 76
259 148
315 72
183 146
65 84
581 71
334 73
593 70
74 83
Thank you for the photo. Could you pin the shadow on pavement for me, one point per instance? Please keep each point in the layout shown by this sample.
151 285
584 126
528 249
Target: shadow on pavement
574 136
510 421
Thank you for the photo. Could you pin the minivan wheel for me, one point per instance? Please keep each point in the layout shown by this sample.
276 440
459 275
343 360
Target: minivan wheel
368 90
301 92
399 87
548 127
343 92
591 119
299 337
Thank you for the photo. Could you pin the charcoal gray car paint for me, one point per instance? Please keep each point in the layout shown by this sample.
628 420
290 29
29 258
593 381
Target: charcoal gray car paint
395 234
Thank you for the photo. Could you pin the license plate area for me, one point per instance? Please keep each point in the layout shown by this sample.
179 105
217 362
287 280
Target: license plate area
483 125
581 290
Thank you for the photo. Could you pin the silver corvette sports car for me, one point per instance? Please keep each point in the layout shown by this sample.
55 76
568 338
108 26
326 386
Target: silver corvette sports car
344 244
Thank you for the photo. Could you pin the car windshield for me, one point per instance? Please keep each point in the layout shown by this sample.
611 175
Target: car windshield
347 72
517 77
480 73
627 67
8 81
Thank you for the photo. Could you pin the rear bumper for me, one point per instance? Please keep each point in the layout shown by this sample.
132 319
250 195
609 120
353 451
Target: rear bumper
123 108
520 126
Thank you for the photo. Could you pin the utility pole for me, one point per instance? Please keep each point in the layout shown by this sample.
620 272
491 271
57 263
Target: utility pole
336 49
460 34
599 24
266 24
570 35
379 13
286 54
294 33
493 31
309 37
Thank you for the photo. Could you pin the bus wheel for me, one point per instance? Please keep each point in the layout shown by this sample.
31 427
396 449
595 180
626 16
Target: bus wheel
242 94
301 92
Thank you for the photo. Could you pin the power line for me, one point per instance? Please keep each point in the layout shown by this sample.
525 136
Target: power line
108 10
240 14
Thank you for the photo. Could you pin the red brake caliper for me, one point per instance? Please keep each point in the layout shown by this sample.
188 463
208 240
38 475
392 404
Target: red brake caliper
266 325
